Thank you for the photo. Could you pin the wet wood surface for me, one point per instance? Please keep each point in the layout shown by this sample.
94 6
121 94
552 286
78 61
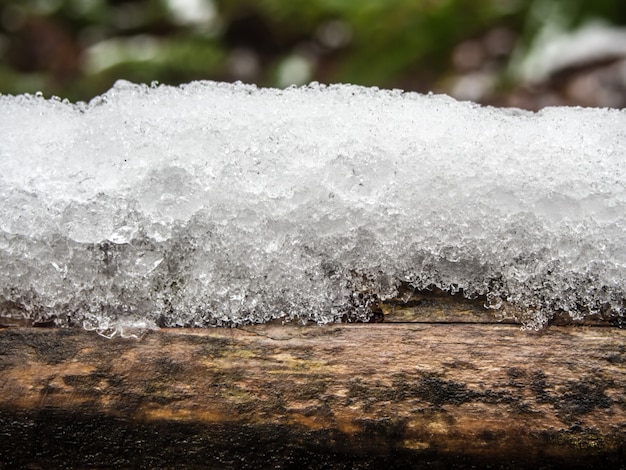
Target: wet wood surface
337 396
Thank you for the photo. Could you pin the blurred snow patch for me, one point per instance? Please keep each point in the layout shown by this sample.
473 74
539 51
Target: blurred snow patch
555 49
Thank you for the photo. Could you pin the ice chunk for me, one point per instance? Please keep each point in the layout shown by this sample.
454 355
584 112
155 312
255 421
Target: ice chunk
213 204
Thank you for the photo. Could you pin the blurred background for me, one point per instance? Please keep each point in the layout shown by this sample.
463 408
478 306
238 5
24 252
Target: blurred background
523 53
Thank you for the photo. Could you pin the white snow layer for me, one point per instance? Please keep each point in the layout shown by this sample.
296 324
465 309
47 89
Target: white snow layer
213 204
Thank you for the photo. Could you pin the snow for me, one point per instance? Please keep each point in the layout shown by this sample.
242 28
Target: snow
225 204
556 50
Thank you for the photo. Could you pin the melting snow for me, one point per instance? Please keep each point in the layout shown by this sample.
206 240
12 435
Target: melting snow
214 203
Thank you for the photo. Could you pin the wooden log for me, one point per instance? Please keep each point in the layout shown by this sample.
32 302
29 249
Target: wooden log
338 396
436 306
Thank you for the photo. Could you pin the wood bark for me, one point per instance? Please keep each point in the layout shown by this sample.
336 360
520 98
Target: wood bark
336 396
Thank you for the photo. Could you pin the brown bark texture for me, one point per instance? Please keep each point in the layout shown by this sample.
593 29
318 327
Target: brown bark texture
388 395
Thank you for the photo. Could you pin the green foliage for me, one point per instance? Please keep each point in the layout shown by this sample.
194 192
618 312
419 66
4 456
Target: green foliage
48 44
